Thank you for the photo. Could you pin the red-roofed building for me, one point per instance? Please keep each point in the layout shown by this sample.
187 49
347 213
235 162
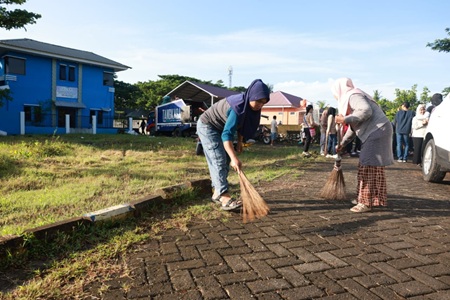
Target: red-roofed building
288 108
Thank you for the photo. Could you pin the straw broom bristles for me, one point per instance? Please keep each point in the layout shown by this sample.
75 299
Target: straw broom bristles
253 205
334 188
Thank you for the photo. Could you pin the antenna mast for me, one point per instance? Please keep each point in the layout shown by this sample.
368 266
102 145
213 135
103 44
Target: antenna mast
230 75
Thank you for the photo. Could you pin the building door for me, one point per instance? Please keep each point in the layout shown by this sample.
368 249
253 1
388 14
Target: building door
62 112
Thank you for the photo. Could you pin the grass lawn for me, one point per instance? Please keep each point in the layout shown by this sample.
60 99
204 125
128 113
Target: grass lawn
51 178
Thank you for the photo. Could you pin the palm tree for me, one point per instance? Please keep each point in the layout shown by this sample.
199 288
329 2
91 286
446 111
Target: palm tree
322 105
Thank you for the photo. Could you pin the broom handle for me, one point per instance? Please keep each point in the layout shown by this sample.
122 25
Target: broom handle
339 137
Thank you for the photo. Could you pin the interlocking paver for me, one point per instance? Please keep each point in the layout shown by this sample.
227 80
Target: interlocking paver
292 276
306 247
358 290
273 284
411 288
426 279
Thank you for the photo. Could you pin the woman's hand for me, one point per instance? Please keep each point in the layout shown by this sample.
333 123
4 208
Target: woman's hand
236 164
339 119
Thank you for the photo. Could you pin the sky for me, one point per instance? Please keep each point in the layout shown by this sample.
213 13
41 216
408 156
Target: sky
299 47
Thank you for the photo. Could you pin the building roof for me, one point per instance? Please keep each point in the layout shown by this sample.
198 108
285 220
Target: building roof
49 50
282 99
200 92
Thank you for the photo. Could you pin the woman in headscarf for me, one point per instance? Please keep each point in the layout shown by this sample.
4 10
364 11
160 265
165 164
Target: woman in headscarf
419 126
367 121
217 127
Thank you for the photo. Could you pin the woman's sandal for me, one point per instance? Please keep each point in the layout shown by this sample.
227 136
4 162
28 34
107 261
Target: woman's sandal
232 204
216 200
359 208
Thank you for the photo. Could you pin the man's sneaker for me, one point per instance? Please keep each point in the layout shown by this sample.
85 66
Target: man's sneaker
306 154
399 160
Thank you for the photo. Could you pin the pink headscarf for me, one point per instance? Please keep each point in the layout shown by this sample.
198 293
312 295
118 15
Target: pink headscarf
342 89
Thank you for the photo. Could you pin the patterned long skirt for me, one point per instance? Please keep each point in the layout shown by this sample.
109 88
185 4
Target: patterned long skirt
371 188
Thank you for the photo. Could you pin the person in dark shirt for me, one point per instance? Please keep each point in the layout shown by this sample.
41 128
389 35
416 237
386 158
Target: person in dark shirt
436 99
403 122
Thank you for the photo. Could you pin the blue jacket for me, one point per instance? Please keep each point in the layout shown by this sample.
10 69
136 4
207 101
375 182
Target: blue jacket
403 121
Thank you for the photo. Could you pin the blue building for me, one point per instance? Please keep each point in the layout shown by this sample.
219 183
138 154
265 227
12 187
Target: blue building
48 82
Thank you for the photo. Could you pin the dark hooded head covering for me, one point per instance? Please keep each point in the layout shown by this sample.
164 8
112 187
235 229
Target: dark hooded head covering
436 99
248 119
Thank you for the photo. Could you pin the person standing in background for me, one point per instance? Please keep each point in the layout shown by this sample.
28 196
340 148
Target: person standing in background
273 130
436 99
143 126
308 123
403 121
323 130
332 133
419 126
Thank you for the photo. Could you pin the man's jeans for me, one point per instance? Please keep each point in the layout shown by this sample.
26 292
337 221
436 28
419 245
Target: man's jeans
216 156
402 139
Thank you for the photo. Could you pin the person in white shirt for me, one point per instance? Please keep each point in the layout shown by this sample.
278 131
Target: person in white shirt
418 128
273 130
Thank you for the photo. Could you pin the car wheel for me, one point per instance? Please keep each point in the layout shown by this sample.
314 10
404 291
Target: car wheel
431 170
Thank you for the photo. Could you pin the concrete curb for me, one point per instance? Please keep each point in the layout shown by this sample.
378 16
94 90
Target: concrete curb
15 243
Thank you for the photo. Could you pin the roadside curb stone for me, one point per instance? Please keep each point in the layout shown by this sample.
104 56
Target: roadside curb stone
15 243
306 248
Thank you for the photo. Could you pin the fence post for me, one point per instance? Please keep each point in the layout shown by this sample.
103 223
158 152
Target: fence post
94 124
130 125
22 123
67 124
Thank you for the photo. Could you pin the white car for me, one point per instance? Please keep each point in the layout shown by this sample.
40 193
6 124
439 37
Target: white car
436 149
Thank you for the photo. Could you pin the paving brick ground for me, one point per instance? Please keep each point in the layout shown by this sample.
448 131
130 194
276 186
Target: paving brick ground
307 248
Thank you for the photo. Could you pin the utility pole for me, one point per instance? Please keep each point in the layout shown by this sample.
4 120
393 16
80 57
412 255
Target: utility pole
230 75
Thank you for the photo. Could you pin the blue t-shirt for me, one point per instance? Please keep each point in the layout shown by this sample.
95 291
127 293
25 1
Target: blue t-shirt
229 130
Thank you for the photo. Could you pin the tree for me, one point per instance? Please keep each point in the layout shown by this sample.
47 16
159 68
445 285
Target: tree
322 105
441 45
391 107
424 97
17 18
5 94
125 95
376 96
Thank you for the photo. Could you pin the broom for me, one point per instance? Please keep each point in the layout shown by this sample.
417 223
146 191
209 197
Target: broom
253 205
334 188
